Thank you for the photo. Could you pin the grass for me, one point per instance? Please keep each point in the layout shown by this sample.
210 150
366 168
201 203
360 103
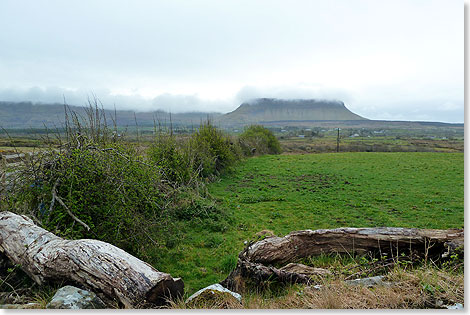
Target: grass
293 192
420 287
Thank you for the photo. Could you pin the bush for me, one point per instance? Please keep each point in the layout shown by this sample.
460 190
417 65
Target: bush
211 151
95 180
259 138
172 158
206 153
118 197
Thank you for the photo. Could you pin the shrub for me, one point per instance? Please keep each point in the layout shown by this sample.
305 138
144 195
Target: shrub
116 196
95 181
259 138
212 151
95 185
171 157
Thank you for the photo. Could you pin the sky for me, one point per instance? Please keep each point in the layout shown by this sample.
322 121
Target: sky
392 60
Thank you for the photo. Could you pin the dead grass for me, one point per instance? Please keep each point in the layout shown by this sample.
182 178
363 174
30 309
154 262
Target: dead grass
209 300
424 287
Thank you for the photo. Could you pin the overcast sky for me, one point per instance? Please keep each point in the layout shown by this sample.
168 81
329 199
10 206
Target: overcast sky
395 60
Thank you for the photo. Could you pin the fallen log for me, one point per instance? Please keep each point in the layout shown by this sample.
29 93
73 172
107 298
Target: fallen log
95 265
259 273
387 240
256 260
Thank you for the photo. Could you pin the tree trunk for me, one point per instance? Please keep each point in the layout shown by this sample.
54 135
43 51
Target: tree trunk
96 265
255 261
258 273
348 240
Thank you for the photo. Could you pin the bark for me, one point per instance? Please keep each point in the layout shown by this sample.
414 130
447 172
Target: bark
255 261
387 240
259 273
95 265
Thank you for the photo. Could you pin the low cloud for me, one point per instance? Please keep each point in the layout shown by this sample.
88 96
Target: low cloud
298 92
372 107
168 102
414 110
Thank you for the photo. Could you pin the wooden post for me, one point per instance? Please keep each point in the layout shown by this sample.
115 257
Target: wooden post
337 142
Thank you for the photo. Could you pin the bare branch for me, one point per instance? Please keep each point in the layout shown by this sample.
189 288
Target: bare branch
54 196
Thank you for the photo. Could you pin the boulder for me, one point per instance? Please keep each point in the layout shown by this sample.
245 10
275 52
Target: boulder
456 306
70 297
214 296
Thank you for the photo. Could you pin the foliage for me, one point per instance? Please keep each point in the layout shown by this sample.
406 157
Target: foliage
259 138
205 154
172 158
212 151
117 196
95 185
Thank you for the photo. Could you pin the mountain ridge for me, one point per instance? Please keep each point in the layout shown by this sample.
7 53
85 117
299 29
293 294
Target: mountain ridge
273 109
25 115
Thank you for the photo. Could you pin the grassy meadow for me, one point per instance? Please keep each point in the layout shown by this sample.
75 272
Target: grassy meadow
283 193
189 203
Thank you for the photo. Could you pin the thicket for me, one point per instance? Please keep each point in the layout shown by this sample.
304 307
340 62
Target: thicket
204 155
256 139
94 184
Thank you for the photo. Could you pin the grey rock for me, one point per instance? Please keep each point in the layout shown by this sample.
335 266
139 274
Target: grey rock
456 306
215 288
70 297
369 282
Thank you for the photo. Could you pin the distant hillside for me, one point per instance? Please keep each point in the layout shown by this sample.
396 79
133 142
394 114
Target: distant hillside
268 112
265 110
29 115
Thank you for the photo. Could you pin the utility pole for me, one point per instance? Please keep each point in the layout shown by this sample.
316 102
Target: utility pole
337 141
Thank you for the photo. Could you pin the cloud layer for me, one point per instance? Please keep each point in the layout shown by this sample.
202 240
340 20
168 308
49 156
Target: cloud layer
373 108
398 59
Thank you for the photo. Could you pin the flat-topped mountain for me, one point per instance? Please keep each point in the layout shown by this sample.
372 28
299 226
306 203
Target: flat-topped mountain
266 111
263 110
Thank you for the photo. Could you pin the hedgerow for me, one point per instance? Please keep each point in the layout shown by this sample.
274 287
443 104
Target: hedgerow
95 185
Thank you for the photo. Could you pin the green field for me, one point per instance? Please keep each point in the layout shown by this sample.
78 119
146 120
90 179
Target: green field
283 193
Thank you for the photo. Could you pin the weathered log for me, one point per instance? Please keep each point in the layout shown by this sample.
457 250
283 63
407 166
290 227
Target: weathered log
95 265
259 273
255 261
349 240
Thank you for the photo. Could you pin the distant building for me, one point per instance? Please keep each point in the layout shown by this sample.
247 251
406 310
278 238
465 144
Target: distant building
354 135
301 136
